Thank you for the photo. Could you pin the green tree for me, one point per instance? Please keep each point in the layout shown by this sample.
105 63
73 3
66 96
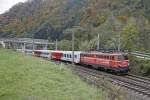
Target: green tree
64 45
130 37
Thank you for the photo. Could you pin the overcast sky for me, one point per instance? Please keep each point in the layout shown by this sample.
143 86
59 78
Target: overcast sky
6 4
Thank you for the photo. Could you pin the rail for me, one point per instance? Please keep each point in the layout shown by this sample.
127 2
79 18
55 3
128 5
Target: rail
140 86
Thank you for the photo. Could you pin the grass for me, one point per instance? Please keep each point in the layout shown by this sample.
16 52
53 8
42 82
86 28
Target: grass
28 78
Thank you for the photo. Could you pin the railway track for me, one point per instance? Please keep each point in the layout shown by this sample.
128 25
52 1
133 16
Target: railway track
139 78
131 82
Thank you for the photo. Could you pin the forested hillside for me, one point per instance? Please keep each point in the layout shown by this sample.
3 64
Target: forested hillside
57 19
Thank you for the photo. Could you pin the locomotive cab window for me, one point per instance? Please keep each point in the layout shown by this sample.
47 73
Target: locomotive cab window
112 58
126 57
121 58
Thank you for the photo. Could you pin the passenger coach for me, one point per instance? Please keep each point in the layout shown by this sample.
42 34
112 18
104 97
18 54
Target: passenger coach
66 56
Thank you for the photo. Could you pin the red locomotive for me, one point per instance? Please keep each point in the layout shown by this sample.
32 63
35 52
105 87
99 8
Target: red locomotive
117 62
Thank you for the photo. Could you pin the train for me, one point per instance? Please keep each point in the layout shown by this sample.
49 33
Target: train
114 62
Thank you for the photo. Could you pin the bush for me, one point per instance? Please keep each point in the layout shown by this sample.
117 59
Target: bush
140 66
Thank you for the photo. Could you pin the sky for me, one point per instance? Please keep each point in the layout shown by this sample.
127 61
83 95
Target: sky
7 4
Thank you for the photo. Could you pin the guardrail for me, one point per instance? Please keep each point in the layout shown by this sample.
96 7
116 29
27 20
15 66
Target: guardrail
140 54
26 40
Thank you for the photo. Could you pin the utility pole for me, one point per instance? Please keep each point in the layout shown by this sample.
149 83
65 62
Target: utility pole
24 47
98 43
73 48
33 45
56 45
119 41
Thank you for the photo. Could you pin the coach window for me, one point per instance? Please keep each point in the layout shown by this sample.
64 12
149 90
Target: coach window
107 57
116 58
75 56
104 57
110 57
70 56
100 56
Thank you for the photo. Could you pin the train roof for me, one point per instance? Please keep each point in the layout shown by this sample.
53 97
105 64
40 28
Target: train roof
43 50
86 52
104 53
68 51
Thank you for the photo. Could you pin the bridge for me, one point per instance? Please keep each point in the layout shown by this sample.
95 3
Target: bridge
25 43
